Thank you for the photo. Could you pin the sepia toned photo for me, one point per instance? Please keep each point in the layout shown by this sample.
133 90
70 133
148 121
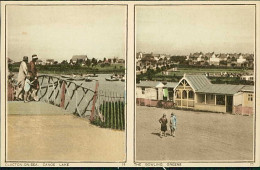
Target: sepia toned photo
65 83
195 83
129 84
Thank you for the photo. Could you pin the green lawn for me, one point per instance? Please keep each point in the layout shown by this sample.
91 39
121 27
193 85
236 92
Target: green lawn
181 71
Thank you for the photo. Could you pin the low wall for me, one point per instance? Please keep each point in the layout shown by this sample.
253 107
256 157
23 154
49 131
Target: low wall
153 103
210 107
240 110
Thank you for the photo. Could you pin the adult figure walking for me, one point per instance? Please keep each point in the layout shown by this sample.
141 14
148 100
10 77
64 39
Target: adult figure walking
23 71
173 124
163 120
33 77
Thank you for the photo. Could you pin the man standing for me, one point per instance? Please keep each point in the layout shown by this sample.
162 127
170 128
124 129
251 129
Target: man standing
173 124
23 71
33 77
163 121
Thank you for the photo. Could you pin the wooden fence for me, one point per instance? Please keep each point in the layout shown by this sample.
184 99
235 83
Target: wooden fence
69 95
111 110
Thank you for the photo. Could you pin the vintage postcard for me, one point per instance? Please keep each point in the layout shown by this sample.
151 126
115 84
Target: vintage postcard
195 83
65 83
130 84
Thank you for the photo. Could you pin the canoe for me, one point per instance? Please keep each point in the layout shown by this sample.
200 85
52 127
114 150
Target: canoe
112 79
88 80
76 79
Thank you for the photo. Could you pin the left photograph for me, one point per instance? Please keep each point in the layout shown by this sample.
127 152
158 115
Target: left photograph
66 83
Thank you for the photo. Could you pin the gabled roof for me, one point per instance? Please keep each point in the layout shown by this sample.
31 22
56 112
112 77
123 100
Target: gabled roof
197 81
221 89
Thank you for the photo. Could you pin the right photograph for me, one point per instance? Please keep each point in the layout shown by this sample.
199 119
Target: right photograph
195 83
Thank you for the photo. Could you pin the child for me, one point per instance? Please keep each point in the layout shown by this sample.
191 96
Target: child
173 123
27 87
163 121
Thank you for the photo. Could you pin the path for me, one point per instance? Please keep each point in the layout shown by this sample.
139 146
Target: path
199 136
44 132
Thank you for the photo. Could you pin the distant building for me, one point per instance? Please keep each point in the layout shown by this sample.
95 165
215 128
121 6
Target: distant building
213 60
79 59
247 77
49 61
39 62
241 59
121 61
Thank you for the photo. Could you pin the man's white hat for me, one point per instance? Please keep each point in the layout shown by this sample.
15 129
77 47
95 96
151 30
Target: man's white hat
34 56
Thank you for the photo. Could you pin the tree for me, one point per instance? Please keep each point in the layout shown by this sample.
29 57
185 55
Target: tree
114 60
176 59
150 74
64 62
104 59
109 60
94 62
88 62
222 62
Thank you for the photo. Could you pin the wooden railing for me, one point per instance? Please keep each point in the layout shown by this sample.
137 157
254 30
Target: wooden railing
67 94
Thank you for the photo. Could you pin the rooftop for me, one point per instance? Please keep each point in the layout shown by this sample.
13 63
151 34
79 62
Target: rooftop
197 81
221 89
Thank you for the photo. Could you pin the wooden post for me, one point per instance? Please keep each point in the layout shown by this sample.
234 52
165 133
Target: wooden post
62 97
94 102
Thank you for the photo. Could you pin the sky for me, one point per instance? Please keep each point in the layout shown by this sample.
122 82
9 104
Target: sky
181 30
59 32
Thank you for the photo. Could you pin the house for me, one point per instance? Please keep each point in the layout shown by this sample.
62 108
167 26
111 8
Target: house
79 59
213 60
247 77
198 93
241 60
244 101
39 62
49 61
121 60
139 56
222 57
149 93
